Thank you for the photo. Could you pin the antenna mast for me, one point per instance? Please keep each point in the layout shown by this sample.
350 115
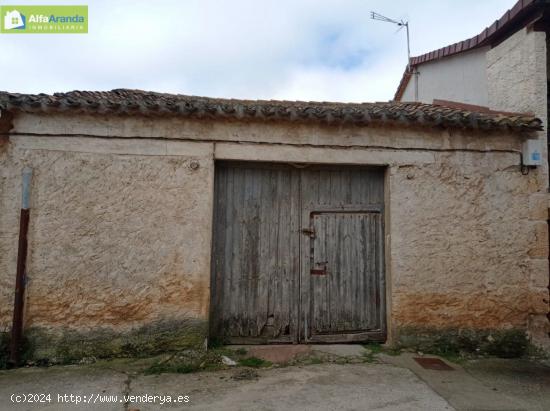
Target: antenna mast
401 24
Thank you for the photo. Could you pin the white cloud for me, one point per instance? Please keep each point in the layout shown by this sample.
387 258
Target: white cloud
301 49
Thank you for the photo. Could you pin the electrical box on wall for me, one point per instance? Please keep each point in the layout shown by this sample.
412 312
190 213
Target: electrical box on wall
532 153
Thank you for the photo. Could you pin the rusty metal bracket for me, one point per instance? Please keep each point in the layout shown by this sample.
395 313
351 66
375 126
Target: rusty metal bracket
321 271
308 231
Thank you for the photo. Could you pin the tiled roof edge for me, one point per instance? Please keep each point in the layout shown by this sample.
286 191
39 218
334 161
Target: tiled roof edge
144 103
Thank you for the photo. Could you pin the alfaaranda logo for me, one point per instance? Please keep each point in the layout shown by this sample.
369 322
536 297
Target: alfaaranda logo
14 20
43 19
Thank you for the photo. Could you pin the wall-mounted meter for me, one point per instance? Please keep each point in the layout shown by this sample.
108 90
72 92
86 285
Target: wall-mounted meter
532 153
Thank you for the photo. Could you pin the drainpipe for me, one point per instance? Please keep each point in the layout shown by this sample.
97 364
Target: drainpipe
548 314
20 279
415 74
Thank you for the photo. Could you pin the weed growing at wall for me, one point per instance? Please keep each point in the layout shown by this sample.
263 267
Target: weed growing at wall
70 346
458 342
4 350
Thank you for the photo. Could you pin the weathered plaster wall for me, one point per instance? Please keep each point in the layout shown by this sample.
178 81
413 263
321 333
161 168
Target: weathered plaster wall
117 241
516 70
120 232
517 74
462 77
468 245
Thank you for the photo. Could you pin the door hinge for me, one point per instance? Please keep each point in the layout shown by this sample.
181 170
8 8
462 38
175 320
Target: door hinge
309 232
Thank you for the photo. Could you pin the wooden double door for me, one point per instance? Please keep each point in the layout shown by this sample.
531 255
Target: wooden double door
298 254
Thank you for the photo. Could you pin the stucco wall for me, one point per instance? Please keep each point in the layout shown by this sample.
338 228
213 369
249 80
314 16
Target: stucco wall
120 227
516 70
457 78
117 241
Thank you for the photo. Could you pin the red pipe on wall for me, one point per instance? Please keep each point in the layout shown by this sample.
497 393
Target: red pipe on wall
20 278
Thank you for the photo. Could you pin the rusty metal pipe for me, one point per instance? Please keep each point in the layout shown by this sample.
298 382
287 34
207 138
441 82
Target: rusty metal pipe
548 313
20 278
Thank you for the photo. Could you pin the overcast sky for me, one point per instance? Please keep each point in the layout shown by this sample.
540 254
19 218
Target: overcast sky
260 49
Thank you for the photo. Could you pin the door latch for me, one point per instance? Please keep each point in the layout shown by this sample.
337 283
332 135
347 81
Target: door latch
319 271
309 232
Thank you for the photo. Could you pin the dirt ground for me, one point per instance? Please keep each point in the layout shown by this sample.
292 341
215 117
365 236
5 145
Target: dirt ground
343 378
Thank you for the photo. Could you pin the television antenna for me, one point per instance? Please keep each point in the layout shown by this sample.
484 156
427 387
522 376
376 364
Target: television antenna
401 24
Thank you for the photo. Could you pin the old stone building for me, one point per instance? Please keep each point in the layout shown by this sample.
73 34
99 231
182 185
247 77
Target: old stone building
504 67
160 220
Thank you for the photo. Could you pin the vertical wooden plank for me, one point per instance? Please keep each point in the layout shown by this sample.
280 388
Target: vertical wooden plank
356 274
237 244
331 302
218 255
278 291
253 240
264 269
295 254
286 257
309 195
381 283
318 282
228 263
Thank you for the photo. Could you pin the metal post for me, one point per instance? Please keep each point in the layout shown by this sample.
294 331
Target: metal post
20 279
408 48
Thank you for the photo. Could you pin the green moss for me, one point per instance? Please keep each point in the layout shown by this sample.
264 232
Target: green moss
456 343
313 360
371 350
374 348
190 361
4 350
70 346
26 350
199 360
254 362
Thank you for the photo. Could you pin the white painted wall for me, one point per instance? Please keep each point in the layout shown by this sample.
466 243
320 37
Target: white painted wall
460 78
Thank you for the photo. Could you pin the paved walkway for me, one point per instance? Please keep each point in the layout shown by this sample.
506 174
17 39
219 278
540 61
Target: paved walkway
314 387
392 383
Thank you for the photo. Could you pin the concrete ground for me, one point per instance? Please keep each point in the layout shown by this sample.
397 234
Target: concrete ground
388 383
